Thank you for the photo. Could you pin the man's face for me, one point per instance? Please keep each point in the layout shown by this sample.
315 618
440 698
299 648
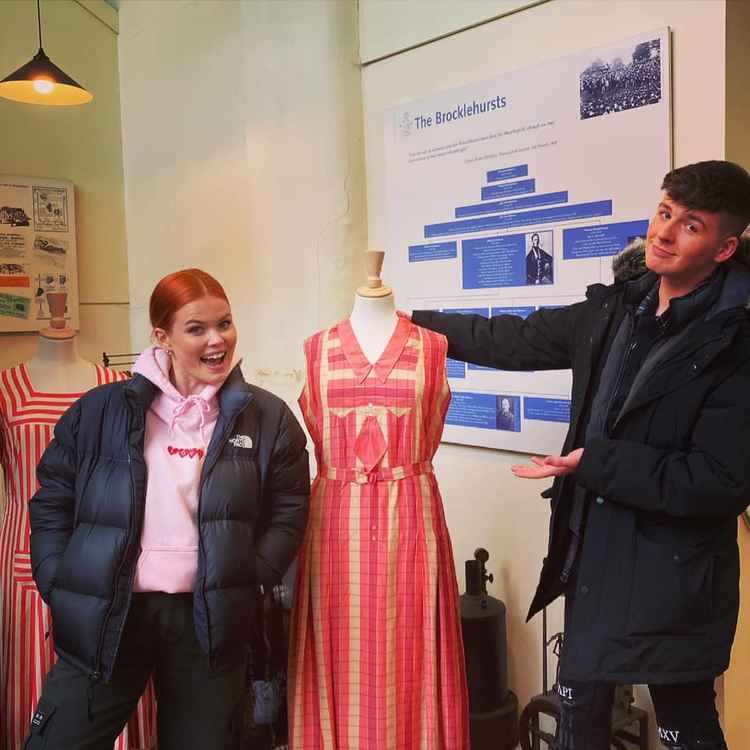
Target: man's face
683 244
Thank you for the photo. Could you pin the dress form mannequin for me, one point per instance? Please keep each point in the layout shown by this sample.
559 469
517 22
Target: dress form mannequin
373 317
56 367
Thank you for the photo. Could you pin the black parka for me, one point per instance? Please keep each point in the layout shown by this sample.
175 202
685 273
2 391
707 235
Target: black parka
87 516
657 590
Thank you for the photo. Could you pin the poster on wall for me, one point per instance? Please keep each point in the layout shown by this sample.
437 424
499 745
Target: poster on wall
513 194
37 251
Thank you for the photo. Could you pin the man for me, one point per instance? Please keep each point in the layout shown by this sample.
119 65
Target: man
538 263
655 467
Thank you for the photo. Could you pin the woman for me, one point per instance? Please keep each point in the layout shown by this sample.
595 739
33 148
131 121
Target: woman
164 502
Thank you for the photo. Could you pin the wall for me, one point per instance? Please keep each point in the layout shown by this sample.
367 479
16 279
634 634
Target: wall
737 114
82 144
245 157
485 505
389 26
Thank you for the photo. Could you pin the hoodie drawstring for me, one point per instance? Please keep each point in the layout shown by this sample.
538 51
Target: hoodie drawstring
185 406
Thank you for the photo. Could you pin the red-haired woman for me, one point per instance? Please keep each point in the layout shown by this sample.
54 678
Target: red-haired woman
164 502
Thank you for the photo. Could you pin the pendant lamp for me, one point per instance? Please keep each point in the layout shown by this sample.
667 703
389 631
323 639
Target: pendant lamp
40 81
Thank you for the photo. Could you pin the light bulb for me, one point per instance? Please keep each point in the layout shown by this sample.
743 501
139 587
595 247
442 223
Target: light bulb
43 86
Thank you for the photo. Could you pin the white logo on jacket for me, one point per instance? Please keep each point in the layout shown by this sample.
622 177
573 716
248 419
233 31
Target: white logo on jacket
241 441
671 735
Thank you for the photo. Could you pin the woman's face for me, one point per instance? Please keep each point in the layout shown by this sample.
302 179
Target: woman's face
202 340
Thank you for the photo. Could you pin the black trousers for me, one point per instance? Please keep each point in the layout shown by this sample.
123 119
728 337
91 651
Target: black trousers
197 707
686 715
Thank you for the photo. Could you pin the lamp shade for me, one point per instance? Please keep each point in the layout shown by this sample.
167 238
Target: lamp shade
40 81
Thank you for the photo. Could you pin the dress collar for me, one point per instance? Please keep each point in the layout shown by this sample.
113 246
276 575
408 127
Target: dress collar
387 360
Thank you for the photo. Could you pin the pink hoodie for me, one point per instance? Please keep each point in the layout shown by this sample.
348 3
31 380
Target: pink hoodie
178 431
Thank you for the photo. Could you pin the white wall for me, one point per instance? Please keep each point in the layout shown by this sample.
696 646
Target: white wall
243 155
485 505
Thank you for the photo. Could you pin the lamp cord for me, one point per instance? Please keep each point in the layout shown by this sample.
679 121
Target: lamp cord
39 21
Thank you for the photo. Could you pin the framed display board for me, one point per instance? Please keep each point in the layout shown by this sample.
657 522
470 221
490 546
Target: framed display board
511 195
37 251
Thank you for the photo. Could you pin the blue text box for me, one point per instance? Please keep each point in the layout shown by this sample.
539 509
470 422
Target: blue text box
484 410
433 251
508 173
483 311
520 219
546 409
601 240
509 188
494 261
543 199
521 312
455 368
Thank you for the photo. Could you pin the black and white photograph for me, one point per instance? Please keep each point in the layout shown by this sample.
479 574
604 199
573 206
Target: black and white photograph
52 251
508 413
540 264
14 216
624 81
50 209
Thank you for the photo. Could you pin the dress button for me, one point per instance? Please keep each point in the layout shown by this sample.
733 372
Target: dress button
584 590
373 527
676 558
600 500
374 539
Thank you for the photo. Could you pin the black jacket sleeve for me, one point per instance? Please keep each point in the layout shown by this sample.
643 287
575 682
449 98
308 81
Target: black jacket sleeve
543 341
285 501
710 479
52 508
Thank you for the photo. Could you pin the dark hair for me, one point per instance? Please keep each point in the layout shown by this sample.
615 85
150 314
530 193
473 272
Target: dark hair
178 289
719 187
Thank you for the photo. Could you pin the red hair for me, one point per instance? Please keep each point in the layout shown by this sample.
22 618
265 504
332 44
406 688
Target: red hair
178 289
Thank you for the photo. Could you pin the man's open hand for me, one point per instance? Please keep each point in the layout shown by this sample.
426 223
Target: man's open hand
550 466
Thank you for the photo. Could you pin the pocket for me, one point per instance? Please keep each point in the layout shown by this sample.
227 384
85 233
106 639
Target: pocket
672 588
39 723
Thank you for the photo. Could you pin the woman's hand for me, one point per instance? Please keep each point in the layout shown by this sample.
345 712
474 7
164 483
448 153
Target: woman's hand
550 466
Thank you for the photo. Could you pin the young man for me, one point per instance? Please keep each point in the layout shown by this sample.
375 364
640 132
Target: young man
654 469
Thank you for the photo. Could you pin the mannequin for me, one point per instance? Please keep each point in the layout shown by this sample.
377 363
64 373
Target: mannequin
373 317
56 367
376 567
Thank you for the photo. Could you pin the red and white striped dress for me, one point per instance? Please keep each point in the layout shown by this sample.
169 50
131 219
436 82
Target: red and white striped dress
376 658
26 652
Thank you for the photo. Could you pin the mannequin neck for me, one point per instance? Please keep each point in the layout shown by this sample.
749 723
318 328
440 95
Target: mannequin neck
57 367
373 320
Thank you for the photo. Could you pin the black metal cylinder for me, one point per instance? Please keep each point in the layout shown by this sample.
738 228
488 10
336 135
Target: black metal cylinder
485 649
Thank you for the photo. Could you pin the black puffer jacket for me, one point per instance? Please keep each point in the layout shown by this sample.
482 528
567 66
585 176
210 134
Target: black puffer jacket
656 598
87 516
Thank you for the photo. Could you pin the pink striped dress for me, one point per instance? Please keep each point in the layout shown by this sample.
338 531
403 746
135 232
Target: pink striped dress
26 652
376 658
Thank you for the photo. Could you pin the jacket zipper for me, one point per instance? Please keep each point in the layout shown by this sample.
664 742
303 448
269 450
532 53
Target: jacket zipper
204 472
96 675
